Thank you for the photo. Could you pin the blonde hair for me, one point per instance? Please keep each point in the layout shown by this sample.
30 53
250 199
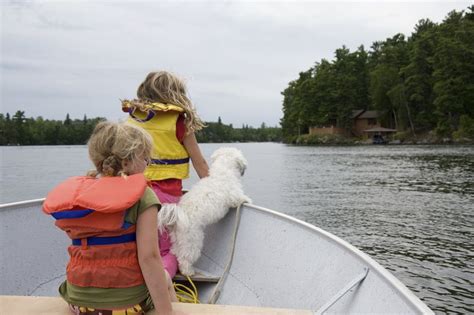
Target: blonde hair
111 143
167 88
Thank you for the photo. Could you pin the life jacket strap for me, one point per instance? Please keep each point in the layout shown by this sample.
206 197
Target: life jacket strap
148 117
96 240
72 214
169 162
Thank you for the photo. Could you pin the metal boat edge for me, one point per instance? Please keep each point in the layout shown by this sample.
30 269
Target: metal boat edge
27 203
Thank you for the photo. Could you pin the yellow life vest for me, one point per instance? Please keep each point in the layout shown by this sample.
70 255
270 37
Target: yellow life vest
169 157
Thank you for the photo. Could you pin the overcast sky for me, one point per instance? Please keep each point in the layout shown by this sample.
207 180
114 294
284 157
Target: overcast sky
81 57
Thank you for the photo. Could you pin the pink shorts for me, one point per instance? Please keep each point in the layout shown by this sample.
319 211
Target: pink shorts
170 263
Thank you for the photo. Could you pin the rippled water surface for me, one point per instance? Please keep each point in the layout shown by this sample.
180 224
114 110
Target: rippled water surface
409 207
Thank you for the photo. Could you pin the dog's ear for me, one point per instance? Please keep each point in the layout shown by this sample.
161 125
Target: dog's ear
216 154
242 166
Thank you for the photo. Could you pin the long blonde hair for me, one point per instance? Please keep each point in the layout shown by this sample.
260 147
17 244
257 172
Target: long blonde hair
111 143
167 88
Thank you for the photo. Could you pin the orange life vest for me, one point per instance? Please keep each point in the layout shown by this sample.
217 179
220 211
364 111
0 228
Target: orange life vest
92 212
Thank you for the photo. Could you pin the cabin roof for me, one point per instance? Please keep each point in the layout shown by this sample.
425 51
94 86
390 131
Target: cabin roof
368 114
380 129
364 114
357 112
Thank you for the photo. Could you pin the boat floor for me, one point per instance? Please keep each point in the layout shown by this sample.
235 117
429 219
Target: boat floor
198 277
16 305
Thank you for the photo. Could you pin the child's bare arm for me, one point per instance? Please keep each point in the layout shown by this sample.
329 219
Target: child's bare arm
150 260
199 162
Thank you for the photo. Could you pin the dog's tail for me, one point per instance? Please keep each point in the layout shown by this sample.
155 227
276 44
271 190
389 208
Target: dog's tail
169 215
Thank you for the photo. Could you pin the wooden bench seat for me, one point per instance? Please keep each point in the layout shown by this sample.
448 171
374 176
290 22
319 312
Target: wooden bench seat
21 305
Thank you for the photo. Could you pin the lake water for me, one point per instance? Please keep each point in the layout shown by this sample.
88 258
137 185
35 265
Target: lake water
409 207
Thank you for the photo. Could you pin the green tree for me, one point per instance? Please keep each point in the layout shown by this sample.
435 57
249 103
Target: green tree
68 120
3 127
386 81
350 84
298 105
454 70
19 125
419 75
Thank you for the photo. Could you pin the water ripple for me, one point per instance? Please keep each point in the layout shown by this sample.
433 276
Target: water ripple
411 208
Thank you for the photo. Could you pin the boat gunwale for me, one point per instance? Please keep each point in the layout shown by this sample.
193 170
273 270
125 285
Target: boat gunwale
31 202
389 278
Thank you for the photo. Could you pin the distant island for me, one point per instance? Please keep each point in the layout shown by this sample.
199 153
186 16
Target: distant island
418 89
20 130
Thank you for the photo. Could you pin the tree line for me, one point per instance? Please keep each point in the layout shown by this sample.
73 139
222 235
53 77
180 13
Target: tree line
20 130
421 83
218 132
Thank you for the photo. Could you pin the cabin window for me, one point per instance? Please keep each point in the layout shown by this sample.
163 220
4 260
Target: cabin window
372 121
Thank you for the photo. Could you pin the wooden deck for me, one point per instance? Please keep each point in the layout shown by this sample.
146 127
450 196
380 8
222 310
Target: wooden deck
20 305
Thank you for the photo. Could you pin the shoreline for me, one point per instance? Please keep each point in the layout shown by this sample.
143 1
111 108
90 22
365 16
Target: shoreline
328 143
338 140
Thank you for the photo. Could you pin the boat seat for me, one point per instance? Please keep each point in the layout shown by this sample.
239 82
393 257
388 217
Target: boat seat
198 277
20 305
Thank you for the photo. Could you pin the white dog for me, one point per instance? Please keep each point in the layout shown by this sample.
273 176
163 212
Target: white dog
206 203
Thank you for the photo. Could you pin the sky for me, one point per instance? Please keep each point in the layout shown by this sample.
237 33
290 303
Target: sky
82 57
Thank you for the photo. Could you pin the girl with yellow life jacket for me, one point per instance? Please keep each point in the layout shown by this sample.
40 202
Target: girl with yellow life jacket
114 266
167 114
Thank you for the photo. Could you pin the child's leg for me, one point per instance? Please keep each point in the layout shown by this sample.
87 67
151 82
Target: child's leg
170 263
171 194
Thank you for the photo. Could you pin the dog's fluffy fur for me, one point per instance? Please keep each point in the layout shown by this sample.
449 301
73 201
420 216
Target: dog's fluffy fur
206 203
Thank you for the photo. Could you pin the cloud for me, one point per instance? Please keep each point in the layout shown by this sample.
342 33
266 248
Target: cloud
82 57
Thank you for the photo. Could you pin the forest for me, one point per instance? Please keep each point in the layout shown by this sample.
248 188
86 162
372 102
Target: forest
20 130
219 132
419 84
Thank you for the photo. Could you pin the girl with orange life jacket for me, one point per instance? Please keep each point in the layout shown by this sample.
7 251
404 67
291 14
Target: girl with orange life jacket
167 114
114 266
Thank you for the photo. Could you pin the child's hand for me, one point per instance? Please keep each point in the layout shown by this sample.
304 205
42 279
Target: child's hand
171 290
